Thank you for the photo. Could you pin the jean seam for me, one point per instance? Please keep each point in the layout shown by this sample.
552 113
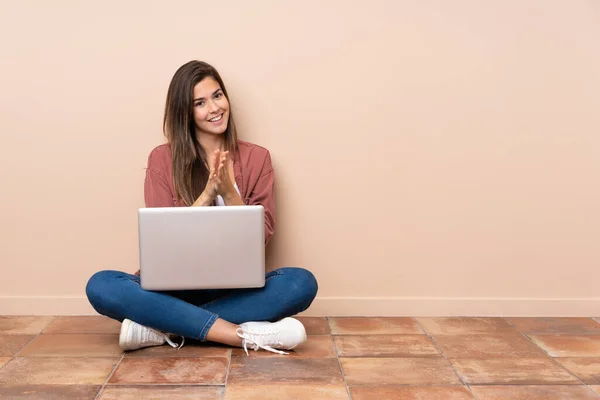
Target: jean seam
207 326
212 301
277 273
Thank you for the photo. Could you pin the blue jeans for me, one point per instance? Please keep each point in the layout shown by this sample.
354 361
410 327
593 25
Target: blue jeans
191 313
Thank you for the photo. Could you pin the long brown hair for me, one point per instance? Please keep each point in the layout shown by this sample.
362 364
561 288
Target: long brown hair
190 168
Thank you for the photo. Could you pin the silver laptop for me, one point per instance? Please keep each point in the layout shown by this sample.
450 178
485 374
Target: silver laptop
189 248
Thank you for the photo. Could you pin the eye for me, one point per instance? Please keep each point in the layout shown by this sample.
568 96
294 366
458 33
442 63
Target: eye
218 95
199 104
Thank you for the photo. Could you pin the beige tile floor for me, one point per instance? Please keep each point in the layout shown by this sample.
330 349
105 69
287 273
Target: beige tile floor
344 358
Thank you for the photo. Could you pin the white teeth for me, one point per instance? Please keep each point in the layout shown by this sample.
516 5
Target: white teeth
215 119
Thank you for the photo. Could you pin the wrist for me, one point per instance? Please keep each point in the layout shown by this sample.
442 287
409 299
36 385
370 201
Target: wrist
232 198
229 194
205 199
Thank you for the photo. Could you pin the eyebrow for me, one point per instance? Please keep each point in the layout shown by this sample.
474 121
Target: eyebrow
213 93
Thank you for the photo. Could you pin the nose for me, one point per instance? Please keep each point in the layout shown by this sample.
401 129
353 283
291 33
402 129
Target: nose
213 107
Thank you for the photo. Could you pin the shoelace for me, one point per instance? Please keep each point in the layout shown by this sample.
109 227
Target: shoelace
166 338
258 338
173 344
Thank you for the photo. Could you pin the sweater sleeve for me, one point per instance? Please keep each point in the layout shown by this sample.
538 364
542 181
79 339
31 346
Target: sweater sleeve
156 190
263 194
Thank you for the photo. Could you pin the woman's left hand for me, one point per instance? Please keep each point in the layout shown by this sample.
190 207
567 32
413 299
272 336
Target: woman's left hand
225 186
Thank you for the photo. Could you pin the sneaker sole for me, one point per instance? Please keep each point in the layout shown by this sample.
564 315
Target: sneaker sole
304 337
123 336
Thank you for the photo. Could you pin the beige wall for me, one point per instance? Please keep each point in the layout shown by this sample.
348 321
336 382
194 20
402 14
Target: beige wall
432 157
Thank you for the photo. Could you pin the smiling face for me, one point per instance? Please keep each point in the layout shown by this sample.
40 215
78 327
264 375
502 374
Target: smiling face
211 107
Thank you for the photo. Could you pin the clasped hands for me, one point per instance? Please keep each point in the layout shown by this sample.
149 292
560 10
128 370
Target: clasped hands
219 181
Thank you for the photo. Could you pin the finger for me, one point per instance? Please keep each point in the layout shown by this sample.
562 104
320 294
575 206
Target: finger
216 162
224 156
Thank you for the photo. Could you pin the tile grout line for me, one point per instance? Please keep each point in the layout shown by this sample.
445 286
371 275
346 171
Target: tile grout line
434 385
337 357
227 373
549 356
55 318
17 353
445 358
109 376
28 343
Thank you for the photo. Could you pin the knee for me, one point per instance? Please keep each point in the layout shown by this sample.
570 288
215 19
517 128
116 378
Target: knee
99 285
302 284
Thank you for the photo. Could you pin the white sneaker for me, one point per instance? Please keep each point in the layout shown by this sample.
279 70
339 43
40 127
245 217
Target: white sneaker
135 336
285 334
